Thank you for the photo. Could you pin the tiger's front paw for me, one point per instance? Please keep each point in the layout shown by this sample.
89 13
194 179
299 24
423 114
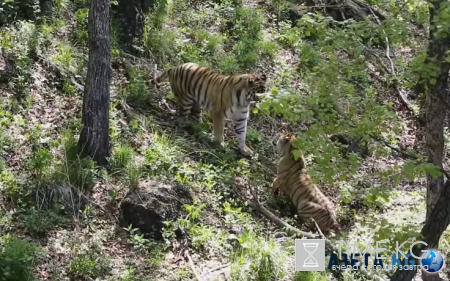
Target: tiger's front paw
275 185
218 144
246 152
196 119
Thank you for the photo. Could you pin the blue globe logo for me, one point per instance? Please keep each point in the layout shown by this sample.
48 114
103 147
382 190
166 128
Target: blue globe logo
433 262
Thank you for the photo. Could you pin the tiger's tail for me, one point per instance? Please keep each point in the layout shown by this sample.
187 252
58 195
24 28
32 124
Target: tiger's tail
157 80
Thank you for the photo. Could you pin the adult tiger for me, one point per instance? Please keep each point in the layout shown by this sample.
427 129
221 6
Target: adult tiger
294 182
196 87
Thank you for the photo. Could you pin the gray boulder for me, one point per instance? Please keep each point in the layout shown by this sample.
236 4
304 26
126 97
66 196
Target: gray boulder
151 204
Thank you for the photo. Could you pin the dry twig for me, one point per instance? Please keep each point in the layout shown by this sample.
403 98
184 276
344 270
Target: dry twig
219 268
252 201
391 70
289 229
186 251
192 265
318 228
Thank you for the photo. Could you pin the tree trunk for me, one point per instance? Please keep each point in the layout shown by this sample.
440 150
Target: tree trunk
434 107
431 232
47 7
94 137
434 112
131 17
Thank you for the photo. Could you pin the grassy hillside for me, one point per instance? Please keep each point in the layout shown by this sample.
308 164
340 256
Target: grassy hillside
59 215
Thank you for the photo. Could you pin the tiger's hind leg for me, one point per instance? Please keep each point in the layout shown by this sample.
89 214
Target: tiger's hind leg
184 107
308 209
184 103
196 112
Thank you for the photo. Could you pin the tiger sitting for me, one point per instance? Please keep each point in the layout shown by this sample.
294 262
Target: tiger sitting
196 87
294 182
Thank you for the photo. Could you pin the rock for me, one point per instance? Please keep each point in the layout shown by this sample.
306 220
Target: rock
152 204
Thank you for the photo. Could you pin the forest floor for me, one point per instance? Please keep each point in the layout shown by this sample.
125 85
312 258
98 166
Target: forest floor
87 242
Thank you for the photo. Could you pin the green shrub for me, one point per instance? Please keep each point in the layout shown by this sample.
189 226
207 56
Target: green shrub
12 10
228 64
248 34
24 40
17 258
136 92
163 45
121 156
10 185
257 259
62 6
87 267
81 26
40 163
65 57
133 175
39 223
79 172
162 154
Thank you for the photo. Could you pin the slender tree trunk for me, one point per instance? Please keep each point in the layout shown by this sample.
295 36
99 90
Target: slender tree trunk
434 112
434 107
94 137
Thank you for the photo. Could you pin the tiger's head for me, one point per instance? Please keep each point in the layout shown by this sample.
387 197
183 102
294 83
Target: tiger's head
255 84
284 143
285 147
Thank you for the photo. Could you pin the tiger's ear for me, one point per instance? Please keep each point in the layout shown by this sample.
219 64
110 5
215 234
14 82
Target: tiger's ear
250 82
287 128
263 77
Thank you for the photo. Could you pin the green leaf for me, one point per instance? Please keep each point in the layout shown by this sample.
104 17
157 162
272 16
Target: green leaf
297 143
409 169
297 154
432 170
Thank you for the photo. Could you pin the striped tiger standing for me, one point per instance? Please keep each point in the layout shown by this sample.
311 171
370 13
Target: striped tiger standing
226 96
294 182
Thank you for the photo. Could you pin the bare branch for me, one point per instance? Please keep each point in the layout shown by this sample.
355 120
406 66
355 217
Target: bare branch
192 265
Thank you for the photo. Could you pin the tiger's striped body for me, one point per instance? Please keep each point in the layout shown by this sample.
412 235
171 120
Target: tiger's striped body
294 182
196 87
